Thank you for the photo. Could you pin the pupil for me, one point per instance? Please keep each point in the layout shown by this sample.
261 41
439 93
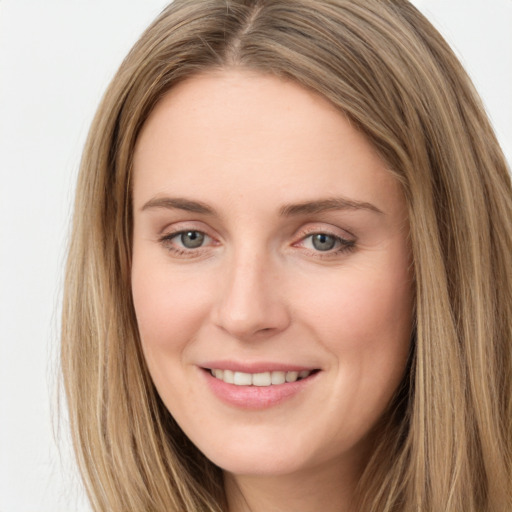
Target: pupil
323 242
192 239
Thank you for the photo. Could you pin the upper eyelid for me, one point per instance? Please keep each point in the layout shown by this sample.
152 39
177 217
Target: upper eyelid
172 230
333 231
173 234
181 226
167 241
343 242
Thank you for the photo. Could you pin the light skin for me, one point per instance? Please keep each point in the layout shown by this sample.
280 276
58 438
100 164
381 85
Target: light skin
268 230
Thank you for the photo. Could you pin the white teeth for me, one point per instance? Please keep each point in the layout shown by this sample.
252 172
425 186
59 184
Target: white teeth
242 379
292 376
278 377
262 379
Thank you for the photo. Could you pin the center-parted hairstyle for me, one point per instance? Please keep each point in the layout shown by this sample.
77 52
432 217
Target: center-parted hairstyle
445 443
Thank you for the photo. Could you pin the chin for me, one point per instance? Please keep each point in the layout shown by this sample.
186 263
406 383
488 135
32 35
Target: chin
262 457
261 465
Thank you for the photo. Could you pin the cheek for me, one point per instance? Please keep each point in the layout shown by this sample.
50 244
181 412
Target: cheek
361 308
366 326
364 319
169 308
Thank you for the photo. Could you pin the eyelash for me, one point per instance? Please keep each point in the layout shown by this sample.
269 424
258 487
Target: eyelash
166 241
344 245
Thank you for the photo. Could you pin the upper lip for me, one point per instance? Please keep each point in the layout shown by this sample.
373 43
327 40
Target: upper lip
256 366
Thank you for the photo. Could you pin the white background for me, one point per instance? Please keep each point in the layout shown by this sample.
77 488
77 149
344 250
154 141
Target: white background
56 58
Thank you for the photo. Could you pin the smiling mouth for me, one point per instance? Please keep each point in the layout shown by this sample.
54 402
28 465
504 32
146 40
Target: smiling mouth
262 379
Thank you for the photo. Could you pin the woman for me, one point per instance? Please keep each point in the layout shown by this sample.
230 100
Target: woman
289 281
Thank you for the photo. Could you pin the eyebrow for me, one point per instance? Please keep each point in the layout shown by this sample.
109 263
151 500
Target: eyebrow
336 203
179 203
288 210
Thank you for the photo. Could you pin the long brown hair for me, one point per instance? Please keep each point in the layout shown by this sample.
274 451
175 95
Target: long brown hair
446 441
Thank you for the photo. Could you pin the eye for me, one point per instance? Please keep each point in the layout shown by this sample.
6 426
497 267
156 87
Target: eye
323 241
185 241
190 239
326 243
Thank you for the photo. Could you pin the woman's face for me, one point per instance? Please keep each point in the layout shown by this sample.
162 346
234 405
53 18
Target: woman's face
270 245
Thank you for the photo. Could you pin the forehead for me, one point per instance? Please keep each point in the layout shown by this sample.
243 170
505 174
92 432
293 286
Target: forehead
232 132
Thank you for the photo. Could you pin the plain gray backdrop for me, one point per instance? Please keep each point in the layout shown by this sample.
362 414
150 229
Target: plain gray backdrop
56 58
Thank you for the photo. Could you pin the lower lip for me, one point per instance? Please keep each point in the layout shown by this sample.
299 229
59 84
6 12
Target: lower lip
256 397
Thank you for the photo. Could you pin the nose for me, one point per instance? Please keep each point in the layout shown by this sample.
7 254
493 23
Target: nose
252 303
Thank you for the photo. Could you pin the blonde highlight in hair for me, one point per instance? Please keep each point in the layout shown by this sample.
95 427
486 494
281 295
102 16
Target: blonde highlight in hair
445 443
